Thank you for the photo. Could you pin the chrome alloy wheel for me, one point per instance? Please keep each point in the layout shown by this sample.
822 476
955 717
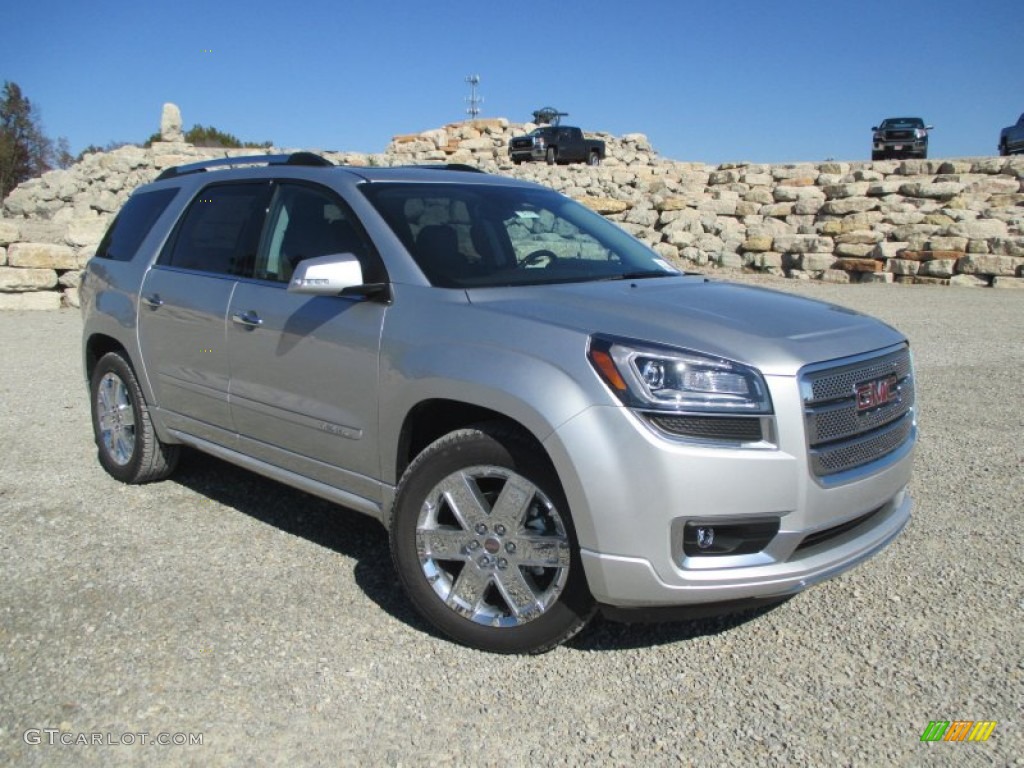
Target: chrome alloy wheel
116 419
493 546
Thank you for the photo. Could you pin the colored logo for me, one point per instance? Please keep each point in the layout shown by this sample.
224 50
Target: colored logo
876 393
958 730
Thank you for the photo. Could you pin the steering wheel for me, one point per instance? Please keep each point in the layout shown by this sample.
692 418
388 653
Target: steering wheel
536 256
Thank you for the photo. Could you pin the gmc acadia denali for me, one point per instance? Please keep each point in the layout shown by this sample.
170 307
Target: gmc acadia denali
548 418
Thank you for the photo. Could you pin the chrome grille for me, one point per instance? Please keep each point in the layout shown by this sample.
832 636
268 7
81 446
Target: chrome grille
839 435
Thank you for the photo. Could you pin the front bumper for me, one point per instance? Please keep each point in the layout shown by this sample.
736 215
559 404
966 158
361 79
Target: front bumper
527 153
631 493
900 148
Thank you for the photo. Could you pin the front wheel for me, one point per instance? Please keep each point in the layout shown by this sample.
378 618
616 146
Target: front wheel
126 442
594 159
484 545
1004 150
551 156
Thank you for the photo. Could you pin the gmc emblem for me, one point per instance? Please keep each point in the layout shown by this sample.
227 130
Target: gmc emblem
876 393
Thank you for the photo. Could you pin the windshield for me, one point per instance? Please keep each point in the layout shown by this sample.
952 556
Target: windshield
903 122
485 235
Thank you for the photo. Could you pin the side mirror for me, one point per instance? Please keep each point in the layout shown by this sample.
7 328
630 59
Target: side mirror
326 275
874 127
929 127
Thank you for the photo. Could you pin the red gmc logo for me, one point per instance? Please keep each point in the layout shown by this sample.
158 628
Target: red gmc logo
875 393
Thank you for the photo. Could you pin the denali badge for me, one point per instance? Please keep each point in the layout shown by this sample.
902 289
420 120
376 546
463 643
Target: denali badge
877 392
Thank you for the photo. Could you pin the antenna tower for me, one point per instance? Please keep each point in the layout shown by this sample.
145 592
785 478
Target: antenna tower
474 100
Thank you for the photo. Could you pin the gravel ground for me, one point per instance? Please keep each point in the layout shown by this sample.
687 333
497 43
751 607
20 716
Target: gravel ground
221 604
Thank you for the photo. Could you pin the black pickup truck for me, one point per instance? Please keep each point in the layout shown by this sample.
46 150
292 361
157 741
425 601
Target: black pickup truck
556 144
1011 139
900 137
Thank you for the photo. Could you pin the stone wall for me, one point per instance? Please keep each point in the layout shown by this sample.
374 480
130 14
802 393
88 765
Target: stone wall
949 222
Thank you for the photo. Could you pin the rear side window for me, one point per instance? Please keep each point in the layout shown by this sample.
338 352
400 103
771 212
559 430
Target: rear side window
220 232
133 223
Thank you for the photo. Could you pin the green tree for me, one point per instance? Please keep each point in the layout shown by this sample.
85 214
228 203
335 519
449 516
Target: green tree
25 151
208 136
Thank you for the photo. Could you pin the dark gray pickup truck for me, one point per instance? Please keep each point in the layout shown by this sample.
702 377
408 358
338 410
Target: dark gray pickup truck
897 137
556 144
1011 139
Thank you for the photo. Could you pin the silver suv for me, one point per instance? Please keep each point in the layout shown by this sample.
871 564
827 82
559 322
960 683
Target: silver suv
548 418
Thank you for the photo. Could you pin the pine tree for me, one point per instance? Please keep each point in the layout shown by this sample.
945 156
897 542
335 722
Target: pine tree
25 151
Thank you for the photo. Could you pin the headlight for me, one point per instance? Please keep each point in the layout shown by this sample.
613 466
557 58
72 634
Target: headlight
920 133
666 379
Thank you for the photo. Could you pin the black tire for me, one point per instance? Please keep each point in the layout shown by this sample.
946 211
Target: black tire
1004 151
551 156
126 442
501 577
594 158
876 155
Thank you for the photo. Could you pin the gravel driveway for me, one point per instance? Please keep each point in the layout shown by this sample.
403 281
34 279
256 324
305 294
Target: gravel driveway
221 607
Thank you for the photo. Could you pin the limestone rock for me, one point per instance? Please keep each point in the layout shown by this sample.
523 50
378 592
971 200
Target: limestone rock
759 243
86 231
968 281
979 264
33 300
815 262
803 244
13 279
938 268
170 123
42 256
604 205
9 232
1007 282
876 277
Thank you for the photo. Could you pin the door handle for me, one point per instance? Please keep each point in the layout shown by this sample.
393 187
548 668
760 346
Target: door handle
249 319
153 300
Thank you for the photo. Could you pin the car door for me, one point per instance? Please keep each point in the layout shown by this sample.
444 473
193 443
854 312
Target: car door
184 302
304 368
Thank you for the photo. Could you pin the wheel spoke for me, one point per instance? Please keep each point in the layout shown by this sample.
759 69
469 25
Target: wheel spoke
127 415
123 446
468 591
465 500
441 544
543 551
520 596
513 502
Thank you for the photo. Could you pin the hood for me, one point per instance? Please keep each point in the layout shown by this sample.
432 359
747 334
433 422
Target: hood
775 332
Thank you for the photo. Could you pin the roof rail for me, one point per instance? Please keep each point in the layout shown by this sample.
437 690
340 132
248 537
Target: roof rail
464 167
295 158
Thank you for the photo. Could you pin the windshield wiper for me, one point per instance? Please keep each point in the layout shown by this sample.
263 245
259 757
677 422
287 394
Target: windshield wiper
638 275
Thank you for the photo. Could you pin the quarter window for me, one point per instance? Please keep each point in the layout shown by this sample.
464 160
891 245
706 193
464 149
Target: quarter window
133 223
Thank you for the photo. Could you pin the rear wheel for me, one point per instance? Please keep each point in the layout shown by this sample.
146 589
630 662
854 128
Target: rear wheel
484 545
126 442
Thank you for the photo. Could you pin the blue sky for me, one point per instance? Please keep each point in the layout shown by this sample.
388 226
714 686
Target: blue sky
710 81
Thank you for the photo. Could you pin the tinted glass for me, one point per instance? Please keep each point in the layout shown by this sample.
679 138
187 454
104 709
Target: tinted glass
903 122
125 235
221 230
306 222
475 235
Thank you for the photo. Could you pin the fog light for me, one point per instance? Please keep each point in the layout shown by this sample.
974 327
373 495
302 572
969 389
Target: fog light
732 538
